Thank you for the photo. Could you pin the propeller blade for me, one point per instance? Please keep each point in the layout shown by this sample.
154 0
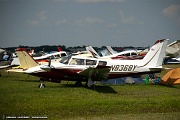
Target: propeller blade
49 62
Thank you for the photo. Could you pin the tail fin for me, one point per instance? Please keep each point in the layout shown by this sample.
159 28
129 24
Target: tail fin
25 59
155 56
91 50
59 49
110 50
31 52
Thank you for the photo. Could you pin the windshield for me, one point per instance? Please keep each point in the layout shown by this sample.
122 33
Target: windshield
80 61
65 59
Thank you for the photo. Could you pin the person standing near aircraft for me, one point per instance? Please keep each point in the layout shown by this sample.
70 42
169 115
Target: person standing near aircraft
6 56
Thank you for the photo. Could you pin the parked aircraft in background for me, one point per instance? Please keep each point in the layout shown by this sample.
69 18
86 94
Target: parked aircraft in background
173 49
44 59
109 54
82 53
5 61
85 69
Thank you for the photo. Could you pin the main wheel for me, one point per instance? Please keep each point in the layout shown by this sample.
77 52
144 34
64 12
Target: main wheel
78 84
42 85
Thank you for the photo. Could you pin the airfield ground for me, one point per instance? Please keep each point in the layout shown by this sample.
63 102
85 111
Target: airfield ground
21 97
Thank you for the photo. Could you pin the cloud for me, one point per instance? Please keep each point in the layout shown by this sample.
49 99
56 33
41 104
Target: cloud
40 17
172 11
89 20
34 22
97 1
125 18
60 22
111 25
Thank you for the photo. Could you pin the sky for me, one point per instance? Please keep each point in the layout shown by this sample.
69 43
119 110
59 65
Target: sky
116 23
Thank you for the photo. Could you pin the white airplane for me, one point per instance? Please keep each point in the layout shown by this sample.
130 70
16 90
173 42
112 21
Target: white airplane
44 59
173 49
85 69
110 54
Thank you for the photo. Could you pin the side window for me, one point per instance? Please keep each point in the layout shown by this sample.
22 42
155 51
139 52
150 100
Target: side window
73 61
56 56
80 61
91 62
102 63
63 54
133 53
127 54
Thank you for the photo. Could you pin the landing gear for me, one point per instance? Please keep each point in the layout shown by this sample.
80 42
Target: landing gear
42 85
90 85
78 84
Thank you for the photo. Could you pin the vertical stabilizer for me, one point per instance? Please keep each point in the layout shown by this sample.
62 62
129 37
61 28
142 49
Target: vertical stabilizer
91 50
26 61
31 52
110 50
59 49
155 55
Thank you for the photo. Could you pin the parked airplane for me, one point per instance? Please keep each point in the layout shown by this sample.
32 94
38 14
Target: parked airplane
110 54
85 69
44 59
132 52
5 59
173 49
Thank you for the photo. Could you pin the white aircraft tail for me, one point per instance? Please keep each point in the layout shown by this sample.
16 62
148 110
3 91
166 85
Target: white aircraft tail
91 50
154 57
25 59
110 50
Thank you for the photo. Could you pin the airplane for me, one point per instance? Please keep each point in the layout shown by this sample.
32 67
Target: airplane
70 72
83 69
5 59
173 53
110 54
132 52
44 59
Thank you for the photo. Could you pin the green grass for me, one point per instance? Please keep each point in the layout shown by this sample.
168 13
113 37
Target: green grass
20 96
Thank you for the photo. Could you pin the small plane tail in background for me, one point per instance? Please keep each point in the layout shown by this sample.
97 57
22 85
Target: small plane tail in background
31 52
59 49
110 50
91 50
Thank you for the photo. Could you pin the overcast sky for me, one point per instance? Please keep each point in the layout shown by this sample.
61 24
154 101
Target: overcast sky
88 22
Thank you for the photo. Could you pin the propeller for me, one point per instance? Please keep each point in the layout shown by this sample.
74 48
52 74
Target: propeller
49 62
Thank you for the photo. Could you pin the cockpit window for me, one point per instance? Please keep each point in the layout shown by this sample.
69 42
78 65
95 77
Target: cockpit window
65 59
57 56
63 54
75 61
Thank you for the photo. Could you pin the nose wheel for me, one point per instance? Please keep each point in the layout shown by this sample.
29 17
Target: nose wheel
42 85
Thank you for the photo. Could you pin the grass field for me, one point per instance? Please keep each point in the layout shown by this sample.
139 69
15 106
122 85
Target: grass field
20 96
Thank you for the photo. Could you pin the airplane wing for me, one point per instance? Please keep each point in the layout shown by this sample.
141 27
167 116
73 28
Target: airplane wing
16 70
6 66
97 73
